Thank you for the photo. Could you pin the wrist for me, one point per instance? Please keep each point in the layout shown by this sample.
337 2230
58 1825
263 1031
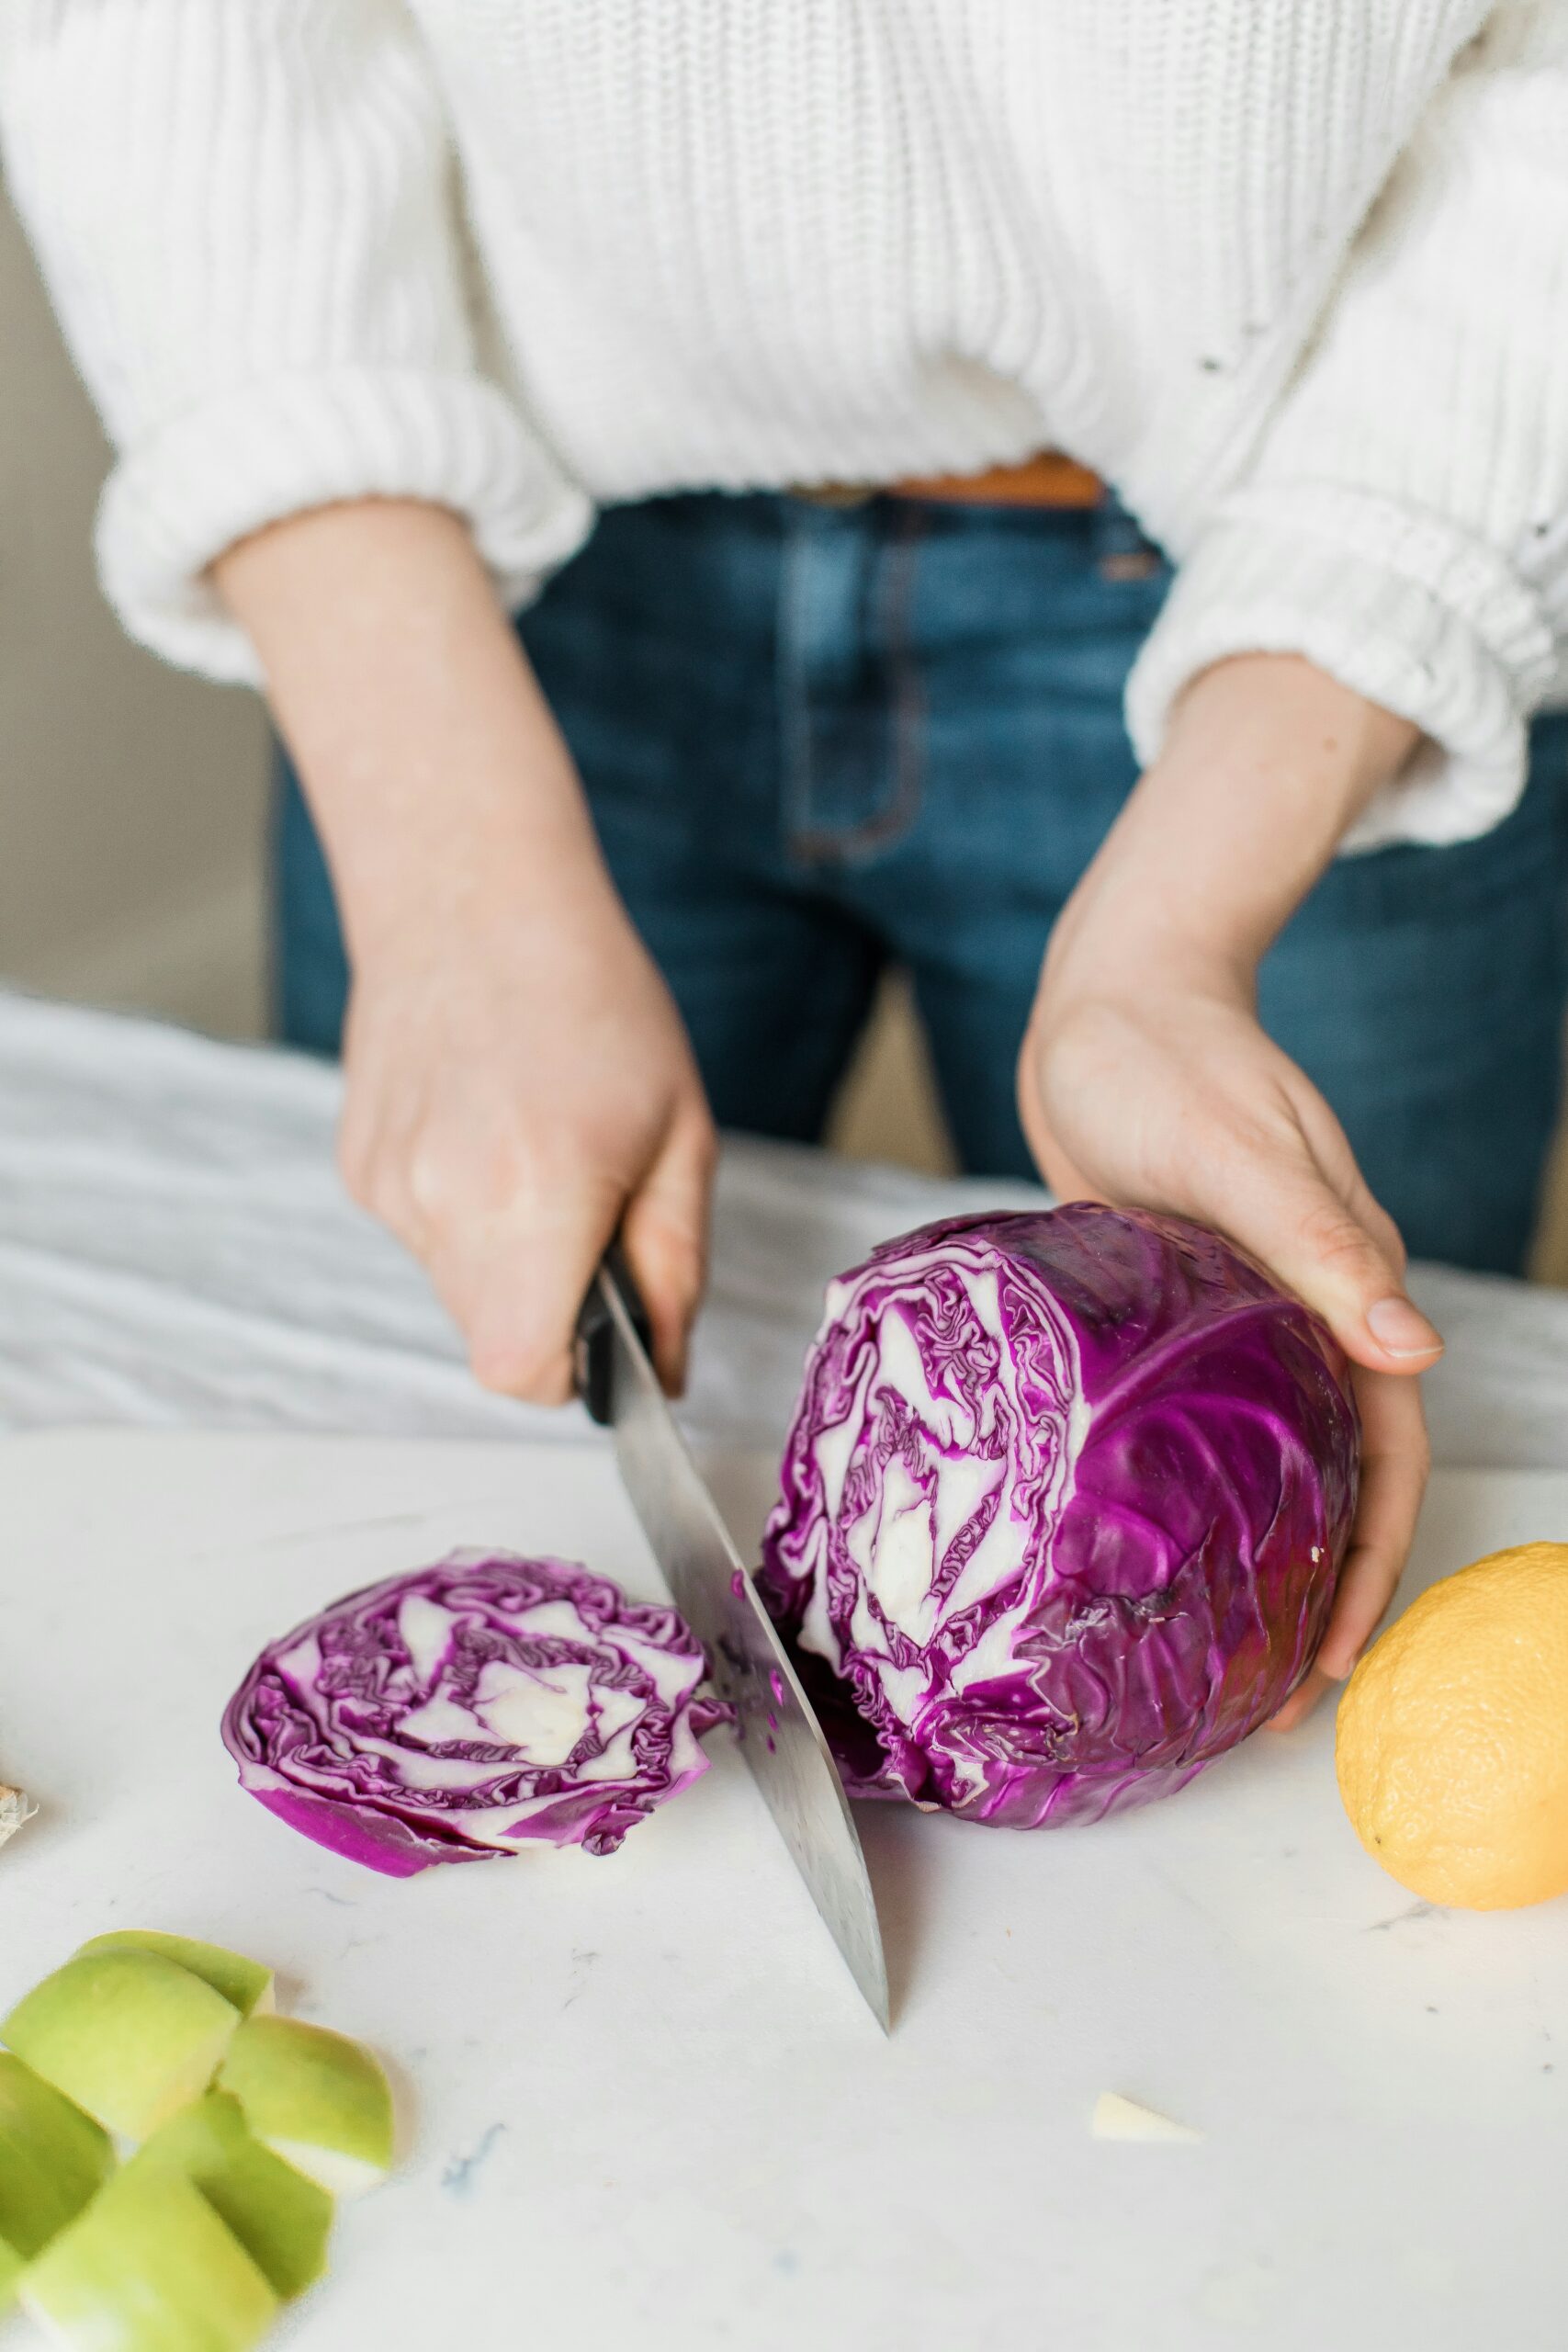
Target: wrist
416 902
1277 719
1102 947
1267 764
446 798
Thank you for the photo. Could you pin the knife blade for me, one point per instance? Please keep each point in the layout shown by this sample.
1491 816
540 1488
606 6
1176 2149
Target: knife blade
780 1735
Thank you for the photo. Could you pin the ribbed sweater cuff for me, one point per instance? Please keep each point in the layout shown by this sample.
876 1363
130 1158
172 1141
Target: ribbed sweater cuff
1398 606
272 448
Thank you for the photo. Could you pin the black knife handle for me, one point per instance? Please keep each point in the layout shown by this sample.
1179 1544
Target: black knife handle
593 1348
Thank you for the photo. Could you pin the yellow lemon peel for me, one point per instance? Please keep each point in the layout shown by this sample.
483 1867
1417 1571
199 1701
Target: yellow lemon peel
1451 1745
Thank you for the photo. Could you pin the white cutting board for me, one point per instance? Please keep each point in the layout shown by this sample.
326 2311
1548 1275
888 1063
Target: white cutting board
644 2106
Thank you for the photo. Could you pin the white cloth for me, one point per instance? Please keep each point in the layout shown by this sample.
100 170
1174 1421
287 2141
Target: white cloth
1293 277
175 1250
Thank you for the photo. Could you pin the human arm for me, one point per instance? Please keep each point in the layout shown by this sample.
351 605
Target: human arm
517 1080
249 216
1402 518
1145 1078
1397 542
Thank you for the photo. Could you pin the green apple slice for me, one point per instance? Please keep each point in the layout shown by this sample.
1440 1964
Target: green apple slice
52 2159
316 2098
149 2268
129 2035
281 2219
245 1983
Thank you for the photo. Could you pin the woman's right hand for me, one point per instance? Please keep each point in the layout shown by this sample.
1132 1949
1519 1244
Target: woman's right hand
516 1089
518 1081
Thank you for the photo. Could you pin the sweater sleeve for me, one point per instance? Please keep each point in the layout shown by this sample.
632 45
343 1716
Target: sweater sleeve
246 211
1405 521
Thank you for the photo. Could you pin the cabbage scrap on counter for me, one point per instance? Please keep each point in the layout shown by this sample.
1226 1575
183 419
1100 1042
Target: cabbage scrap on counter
1063 1503
468 1710
16 1808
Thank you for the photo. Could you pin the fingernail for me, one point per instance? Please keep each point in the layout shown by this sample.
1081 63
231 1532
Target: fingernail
1400 1329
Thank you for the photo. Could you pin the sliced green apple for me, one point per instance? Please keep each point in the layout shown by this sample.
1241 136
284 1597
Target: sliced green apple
129 2035
281 2219
52 2159
244 1983
149 2268
318 2099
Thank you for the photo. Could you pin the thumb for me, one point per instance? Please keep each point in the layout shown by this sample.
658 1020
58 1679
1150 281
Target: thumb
1342 1257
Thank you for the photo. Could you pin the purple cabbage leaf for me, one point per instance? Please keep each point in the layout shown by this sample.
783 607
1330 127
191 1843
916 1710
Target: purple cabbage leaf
468 1710
1064 1502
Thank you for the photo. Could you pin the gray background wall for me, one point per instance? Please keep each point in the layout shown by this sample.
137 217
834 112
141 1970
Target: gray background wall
130 799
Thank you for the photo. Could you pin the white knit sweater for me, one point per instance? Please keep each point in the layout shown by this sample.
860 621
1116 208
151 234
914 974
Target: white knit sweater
1292 274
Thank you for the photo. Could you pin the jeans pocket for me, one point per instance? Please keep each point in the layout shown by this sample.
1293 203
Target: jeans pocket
851 694
1125 556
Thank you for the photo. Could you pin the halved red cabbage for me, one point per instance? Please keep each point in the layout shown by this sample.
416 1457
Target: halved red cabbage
471 1708
1064 1502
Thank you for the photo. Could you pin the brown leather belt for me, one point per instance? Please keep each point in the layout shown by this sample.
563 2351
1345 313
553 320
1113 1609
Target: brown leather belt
1045 479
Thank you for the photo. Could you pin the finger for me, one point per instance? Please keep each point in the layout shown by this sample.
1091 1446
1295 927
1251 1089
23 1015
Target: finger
1330 1148
1394 1475
665 1234
1058 1172
1301 1701
1063 1178
1394 1461
372 1161
515 1282
1339 1262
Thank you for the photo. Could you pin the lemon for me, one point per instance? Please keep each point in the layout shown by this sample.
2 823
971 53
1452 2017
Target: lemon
1452 1741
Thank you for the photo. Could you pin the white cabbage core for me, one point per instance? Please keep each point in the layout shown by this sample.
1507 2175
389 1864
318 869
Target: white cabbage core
543 1712
971 1484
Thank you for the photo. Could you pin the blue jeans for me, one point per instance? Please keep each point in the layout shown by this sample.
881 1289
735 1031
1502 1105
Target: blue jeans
816 739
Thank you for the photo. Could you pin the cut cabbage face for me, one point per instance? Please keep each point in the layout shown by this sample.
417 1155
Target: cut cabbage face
472 1708
129 2035
1062 1507
315 2098
53 2159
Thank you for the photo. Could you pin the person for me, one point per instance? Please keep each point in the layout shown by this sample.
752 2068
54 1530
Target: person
829 313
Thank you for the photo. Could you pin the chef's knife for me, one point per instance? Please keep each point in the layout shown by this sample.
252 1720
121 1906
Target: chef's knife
780 1737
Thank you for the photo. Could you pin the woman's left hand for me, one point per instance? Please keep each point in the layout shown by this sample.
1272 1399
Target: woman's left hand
1153 1088
1147 1081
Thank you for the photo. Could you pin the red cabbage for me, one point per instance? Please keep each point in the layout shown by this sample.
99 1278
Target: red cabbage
1064 1502
467 1709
